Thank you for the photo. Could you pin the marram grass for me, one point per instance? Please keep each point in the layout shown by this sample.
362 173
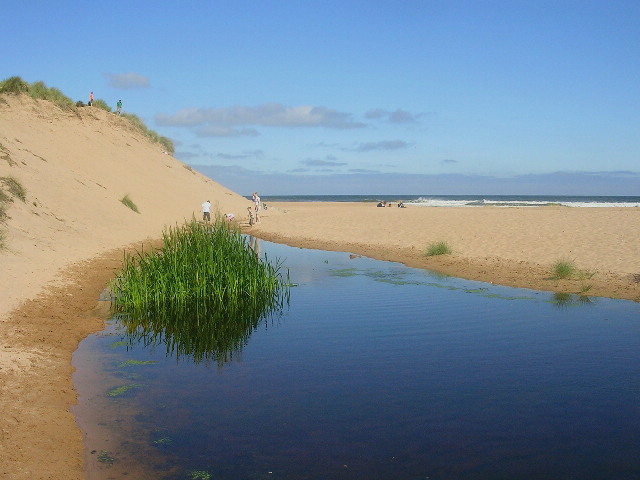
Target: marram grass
564 269
129 203
438 248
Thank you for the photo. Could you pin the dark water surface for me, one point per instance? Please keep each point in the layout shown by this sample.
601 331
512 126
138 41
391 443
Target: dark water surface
378 371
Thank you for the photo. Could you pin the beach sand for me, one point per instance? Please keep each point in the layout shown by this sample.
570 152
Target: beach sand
66 241
508 246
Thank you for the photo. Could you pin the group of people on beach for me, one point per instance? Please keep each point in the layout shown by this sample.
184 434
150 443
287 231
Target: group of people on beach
253 212
383 203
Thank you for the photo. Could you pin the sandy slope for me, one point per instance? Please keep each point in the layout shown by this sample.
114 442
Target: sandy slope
75 169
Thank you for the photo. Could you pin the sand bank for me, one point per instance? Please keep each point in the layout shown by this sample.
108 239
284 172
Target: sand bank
508 246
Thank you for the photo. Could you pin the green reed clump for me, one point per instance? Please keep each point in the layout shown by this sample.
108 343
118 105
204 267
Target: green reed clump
563 269
202 294
438 248
196 262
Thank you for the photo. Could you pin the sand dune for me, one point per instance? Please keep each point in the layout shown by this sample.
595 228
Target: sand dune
75 168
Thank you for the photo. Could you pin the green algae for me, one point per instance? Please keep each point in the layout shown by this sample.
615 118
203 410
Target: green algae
119 391
130 363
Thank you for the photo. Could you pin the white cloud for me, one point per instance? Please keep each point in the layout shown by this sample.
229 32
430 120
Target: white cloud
382 145
269 115
127 81
318 162
218 131
397 116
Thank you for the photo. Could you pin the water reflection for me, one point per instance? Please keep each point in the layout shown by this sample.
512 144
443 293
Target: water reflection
201 332
566 300
254 244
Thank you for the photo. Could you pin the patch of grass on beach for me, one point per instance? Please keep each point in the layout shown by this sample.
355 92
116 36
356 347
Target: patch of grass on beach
9 188
438 248
4 155
566 269
563 268
14 187
129 203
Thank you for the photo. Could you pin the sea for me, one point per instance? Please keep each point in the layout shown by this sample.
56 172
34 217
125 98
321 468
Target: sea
469 200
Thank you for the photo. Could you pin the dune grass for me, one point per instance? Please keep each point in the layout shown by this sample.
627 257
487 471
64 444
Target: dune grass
100 103
563 269
9 188
438 248
129 203
38 90
4 155
14 85
14 188
140 126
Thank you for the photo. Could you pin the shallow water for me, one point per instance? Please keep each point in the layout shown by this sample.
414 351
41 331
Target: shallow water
378 371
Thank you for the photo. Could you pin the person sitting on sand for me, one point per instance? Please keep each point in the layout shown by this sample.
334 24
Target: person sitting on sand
229 216
400 204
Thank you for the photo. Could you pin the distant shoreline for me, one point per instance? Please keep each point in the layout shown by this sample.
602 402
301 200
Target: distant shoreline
596 201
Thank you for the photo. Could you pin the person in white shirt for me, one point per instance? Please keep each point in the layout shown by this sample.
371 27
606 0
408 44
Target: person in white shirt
206 211
256 201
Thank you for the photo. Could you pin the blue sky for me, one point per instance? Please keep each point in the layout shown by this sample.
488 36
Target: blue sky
359 97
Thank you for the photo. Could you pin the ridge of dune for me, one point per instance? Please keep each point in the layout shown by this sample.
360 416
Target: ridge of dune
75 168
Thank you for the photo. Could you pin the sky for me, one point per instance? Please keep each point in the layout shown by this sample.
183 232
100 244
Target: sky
359 97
